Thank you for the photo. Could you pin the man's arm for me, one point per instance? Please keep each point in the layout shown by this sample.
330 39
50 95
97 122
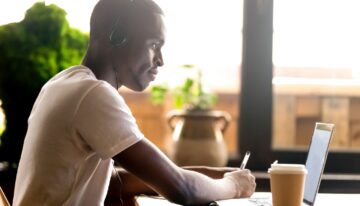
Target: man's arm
150 166
130 186
213 172
127 184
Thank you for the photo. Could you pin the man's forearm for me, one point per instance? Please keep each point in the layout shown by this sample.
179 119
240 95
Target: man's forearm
213 172
131 185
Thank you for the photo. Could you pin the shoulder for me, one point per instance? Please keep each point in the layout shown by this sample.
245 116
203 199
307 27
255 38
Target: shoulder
103 92
104 99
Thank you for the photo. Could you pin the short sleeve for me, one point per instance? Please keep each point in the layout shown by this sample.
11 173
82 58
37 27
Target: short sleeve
105 122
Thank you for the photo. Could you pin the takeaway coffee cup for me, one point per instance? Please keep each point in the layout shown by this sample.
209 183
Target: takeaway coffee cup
287 184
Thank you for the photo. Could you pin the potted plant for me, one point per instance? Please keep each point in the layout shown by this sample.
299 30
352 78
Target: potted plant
197 129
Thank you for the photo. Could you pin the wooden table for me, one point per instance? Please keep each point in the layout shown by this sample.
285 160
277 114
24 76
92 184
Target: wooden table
322 199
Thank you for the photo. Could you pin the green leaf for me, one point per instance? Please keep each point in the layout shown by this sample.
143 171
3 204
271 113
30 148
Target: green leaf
188 66
188 95
158 94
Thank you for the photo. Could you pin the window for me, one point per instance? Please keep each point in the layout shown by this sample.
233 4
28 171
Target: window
316 71
266 51
207 34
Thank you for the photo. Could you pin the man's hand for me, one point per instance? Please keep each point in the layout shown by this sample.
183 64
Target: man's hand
244 182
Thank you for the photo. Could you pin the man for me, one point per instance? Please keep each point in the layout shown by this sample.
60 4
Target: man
80 123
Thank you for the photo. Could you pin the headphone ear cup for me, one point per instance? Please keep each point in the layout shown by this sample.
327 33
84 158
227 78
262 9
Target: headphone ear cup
118 37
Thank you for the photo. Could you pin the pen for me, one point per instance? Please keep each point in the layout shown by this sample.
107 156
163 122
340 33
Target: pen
246 158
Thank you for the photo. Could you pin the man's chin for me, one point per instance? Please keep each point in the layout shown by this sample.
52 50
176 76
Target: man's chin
138 88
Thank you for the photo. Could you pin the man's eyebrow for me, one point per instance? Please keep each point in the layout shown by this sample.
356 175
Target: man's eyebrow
161 41
158 40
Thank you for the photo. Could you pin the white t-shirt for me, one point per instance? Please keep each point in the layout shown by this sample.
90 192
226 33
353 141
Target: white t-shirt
77 124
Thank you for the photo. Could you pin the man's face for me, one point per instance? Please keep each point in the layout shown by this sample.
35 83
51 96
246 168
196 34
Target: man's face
145 55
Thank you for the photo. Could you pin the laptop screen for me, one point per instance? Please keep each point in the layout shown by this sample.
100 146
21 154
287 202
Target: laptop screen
316 160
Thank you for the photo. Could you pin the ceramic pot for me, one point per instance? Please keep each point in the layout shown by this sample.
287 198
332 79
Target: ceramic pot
197 137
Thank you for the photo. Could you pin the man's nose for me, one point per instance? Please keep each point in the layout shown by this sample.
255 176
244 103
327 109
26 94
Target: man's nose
158 60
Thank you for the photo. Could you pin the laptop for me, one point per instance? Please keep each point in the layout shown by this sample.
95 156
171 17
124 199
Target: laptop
315 163
316 160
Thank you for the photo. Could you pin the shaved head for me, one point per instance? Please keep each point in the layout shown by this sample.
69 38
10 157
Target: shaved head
127 14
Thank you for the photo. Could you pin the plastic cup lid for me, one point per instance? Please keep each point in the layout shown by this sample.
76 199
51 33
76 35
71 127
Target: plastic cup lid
287 168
